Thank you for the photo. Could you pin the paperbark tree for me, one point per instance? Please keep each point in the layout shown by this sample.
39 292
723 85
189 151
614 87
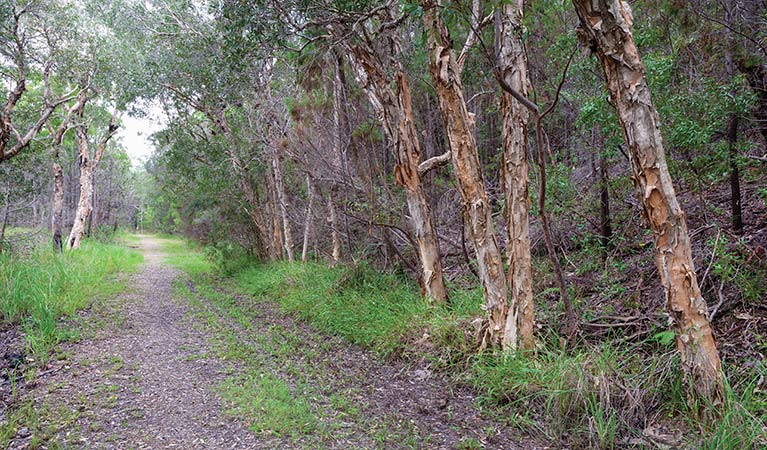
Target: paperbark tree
514 174
88 165
542 148
606 28
395 112
58 172
445 73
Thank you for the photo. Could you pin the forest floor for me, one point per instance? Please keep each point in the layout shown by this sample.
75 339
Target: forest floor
172 365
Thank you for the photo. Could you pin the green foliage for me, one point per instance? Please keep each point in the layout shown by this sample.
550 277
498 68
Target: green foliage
39 289
732 266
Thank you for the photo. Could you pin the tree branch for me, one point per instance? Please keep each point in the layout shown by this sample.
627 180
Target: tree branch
431 163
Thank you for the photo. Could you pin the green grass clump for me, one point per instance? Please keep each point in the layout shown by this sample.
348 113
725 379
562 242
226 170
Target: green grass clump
38 289
267 404
186 256
375 310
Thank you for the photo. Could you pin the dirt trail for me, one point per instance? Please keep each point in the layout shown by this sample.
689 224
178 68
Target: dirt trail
147 379
134 385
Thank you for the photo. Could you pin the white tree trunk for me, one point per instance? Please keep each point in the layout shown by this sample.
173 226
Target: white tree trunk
283 205
88 166
309 217
514 176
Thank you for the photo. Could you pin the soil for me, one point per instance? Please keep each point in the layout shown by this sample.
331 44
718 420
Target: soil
149 377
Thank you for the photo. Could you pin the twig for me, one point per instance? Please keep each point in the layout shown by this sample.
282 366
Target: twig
711 261
718 305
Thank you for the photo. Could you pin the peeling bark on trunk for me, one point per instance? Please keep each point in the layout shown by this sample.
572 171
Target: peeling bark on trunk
57 218
606 27
463 147
309 217
514 176
88 166
395 112
282 200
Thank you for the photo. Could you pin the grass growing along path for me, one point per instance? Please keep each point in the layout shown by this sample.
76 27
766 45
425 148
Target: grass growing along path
591 396
38 289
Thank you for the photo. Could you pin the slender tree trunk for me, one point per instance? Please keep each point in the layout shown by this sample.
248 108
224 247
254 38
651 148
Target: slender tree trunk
606 25
338 157
605 221
732 139
6 214
395 112
282 199
309 217
335 238
276 225
514 176
732 159
88 166
458 126
571 320
58 205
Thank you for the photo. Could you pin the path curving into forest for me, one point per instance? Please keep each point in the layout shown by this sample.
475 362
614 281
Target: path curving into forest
146 376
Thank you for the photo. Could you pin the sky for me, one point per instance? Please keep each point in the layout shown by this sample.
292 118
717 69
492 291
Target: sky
135 133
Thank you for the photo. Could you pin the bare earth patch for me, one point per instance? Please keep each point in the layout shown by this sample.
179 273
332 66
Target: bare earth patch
156 375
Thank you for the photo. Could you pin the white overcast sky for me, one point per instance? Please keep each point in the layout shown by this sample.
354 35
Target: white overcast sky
135 133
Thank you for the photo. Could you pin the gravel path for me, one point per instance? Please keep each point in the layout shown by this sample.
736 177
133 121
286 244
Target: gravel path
137 384
149 375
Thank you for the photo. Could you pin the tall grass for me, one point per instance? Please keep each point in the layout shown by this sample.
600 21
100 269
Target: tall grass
38 289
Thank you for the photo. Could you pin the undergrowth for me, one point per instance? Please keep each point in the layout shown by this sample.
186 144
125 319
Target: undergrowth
590 396
38 289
